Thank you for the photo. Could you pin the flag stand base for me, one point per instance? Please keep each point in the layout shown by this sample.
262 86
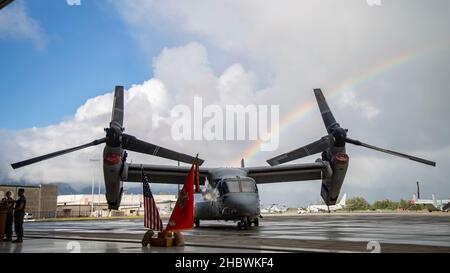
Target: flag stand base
163 239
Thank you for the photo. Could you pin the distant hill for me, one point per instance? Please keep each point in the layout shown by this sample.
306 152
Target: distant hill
132 188
64 188
129 188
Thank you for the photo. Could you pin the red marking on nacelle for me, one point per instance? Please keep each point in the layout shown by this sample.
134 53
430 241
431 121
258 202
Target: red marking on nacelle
341 158
112 159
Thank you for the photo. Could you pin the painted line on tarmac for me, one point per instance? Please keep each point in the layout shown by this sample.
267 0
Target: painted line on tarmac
260 248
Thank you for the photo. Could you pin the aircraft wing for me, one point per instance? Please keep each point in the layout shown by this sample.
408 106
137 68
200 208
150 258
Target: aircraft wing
162 174
288 173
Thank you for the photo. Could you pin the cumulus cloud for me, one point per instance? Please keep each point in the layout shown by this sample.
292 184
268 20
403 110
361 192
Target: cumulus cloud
366 108
291 47
16 23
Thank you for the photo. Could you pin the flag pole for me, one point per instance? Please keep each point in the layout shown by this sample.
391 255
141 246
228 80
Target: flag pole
197 175
178 184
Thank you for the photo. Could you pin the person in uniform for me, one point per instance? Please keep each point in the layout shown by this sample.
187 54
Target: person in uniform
8 203
19 214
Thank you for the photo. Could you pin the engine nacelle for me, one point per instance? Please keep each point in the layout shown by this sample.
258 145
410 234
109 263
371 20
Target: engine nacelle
331 186
112 167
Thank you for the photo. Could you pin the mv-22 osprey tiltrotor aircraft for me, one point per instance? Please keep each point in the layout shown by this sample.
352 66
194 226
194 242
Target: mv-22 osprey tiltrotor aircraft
236 195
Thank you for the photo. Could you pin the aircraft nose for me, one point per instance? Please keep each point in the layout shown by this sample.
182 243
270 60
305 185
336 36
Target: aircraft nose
242 203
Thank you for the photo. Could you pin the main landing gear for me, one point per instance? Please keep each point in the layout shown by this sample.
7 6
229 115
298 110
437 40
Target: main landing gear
242 224
245 223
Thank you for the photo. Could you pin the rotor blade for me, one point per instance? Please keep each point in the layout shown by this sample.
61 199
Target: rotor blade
410 157
313 148
4 3
133 144
327 115
117 111
55 154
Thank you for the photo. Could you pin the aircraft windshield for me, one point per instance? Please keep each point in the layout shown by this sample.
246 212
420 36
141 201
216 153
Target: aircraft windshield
248 186
233 186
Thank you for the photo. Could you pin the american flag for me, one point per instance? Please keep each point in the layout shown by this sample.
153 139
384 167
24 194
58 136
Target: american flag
151 214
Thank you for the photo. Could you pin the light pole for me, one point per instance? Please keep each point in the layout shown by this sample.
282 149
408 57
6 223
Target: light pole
98 197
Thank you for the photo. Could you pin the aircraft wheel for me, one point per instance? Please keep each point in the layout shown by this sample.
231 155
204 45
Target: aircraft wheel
249 222
197 222
242 225
245 224
256 222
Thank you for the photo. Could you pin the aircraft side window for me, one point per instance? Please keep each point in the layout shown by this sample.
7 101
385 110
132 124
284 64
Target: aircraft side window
223 189
220 188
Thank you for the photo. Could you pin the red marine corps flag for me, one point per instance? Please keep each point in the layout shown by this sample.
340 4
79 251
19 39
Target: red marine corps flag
151 214
183 214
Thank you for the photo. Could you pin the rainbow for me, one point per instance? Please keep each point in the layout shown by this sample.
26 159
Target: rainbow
302 111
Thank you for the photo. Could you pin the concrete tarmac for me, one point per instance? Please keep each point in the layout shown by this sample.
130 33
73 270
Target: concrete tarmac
339 232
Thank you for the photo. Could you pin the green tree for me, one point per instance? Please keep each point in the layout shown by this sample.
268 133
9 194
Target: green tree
357 203
384 204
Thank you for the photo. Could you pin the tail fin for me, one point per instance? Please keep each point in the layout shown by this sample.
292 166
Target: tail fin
343 200
418 190
242 163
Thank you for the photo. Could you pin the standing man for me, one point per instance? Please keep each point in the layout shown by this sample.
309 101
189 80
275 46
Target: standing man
8 203
19 214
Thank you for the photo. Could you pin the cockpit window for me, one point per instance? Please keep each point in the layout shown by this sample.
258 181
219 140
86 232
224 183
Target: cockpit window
237 185
248 186
233 186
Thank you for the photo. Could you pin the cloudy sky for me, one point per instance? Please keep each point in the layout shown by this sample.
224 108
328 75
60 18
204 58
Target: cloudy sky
383 68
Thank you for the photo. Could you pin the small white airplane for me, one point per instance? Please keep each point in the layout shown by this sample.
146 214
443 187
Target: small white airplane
325 208
274 208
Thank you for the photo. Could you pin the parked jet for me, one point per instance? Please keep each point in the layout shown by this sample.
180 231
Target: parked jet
275 208
325 208
237 196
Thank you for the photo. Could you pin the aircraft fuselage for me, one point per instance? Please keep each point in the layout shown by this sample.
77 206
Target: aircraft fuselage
237 198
